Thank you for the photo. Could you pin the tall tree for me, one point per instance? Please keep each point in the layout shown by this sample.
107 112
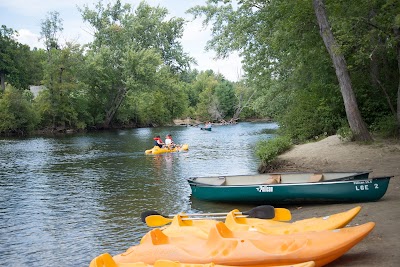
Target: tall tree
51 27
128 52
17 63
7 48
284 58
397 34
354 118
57 104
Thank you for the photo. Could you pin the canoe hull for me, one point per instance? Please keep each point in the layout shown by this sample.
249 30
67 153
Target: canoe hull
350 191
205 129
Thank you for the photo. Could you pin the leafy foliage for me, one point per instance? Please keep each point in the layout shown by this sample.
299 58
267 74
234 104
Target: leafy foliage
135 72
386 127
268 150
286 61
17 115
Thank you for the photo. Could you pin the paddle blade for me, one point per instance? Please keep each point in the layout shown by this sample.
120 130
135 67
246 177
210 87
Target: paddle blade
146 213
282 214
156 220
261 212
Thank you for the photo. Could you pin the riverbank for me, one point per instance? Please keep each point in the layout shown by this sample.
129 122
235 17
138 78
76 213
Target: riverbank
381 246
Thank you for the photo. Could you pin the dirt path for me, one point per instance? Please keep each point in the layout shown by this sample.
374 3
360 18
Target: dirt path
382 246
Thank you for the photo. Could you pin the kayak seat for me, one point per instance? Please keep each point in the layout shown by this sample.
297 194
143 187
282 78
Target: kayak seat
316 177
273 179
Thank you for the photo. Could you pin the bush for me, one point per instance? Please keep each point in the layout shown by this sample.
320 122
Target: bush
17 115
310 116
344 132
386 127
268 150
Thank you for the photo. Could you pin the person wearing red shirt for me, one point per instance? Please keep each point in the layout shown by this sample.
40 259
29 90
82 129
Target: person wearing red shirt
158 142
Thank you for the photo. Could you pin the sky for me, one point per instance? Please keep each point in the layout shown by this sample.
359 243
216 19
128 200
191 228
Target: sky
26 16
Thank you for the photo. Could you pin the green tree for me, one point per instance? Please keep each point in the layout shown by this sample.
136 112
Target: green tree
17 115
204 87
285 57
7 49
244 102
225 94
18 65
368 32
61 104
354 118
129 54
51 27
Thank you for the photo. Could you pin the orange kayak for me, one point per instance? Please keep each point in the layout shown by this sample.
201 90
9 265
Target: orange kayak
105 260
330 222
201 228
227 247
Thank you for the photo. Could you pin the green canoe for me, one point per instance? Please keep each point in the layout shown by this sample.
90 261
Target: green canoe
290 188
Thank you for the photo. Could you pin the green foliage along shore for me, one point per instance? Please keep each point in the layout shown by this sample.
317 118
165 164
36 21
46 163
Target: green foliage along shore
135 72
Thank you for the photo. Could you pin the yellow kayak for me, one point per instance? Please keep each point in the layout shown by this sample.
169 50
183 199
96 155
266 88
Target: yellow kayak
158 150
201 228
105 260
329 222
227 247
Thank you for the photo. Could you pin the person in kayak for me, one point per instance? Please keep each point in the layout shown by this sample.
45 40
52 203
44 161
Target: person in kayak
169 142
158 142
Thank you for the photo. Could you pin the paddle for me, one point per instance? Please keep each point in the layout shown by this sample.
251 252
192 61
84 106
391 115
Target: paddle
153 218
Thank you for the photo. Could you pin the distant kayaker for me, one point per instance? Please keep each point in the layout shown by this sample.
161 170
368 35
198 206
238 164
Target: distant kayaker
207 125
158 141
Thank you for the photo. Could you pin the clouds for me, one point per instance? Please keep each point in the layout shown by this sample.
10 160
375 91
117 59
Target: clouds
26 17
29 38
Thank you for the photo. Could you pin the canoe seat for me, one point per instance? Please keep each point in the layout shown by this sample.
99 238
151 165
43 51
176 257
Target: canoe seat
273 179
316 177
221 181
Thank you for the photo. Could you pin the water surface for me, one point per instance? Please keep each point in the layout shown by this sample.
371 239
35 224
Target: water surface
66 200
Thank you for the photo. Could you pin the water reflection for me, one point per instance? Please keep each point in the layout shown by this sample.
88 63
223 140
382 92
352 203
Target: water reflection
65 200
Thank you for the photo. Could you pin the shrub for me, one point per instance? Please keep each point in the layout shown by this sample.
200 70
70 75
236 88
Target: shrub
344 132
17 115
386 127
268 150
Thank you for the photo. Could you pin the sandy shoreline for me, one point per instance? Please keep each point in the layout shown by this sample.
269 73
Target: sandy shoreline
381 247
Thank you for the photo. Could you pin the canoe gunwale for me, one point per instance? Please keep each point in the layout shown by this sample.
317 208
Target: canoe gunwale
349 177
292 184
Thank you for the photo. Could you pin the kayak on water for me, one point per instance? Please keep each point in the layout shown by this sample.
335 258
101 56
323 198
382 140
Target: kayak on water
159 150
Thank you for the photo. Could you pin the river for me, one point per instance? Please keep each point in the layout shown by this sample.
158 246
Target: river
65 200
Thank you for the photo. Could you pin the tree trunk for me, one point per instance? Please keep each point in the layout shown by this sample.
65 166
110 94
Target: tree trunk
241 105
114 107
2 81
356 123
397 36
